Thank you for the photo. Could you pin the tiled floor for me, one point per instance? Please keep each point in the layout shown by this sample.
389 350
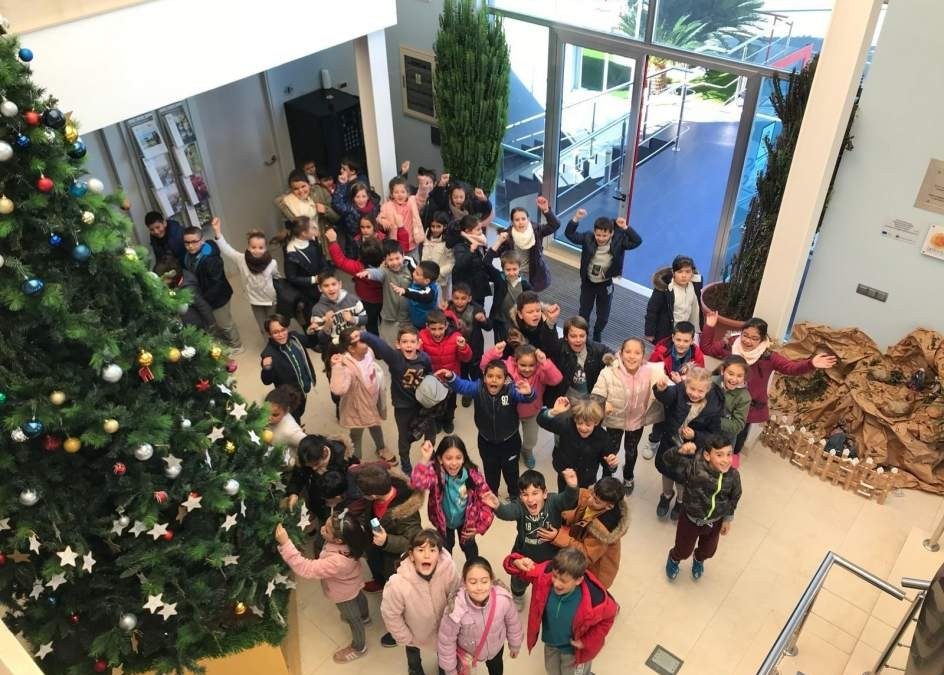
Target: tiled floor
727 621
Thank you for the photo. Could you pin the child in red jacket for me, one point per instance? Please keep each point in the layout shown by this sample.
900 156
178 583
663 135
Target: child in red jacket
570 607
369 291
448 350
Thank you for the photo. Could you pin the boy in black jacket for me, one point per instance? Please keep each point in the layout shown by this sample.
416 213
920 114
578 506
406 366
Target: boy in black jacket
601 259
581 361
712 491
470 320
469 252
203 261
496 416
582 444
408 366
509 285
537 324
693 410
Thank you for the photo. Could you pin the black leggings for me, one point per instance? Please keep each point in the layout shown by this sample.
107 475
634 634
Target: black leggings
373 316
470 549
740 439
630 444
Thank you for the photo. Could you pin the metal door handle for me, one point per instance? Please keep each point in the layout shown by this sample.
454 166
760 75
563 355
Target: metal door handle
272 160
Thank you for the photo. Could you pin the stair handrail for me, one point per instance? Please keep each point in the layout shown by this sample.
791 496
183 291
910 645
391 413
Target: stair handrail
922 586
785 644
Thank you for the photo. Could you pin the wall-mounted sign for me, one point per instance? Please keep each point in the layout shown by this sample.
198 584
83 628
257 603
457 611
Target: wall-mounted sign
931 193
934 242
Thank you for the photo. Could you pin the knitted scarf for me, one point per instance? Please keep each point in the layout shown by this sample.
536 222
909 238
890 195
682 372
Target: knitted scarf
258 265
752 355
523 240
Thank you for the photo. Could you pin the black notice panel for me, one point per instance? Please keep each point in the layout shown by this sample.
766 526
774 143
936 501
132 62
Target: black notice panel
325 126
418 81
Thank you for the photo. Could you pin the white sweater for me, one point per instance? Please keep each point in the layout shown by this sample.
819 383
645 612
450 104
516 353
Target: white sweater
259 287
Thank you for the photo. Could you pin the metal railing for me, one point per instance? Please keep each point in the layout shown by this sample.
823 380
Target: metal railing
786 642
933 543
922 586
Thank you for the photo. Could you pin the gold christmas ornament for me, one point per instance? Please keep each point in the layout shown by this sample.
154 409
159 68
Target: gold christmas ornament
110 425
267 436
6 205
57 397
216 352
173 355
70 133
88 217
145 359
230 447
131 254
239 608
72 444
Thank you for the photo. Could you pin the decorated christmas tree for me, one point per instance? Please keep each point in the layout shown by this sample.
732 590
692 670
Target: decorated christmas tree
139 492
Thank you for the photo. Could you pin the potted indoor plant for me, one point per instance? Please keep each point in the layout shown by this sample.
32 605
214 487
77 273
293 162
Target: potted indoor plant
471 90
734 297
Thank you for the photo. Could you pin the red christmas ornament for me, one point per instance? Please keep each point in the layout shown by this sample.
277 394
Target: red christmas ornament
101 665
160 496
202 385
44 184
74 618
168 535
32 118
119 469
3 559
195 494
231 366
51 443
145 374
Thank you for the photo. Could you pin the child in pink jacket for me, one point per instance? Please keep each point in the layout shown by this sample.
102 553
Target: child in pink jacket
531 364
479 622
415 598
456 488
339 569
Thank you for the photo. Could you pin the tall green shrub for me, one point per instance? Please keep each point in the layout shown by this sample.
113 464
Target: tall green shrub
471 87
747 267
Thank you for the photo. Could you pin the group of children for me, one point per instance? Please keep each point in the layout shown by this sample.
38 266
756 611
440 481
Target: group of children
422 270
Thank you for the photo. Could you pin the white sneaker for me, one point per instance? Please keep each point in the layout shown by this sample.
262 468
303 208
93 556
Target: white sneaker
648 452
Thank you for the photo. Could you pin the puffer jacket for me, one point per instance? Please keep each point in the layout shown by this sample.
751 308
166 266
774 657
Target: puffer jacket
412 607
572 451
736 404
207 266
496 417
659 312
595 614
709 494
600 540
445 353
359 408
478 517
435 250
677 405
611 389
663 354
592 365
341 575
463 625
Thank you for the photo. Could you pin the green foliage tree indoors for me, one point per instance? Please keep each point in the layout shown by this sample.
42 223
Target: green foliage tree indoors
88 488
747 267
471 88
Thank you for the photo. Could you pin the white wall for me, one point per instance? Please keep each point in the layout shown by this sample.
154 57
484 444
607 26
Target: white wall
897 131
416 27
113 66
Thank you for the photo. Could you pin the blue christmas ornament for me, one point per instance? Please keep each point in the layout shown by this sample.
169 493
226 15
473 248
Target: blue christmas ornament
33 286
55 239
77 150
52 600
32 428
78 189
26 54
81 253
22 141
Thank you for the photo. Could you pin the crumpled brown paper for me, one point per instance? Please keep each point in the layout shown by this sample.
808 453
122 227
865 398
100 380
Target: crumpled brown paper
867 391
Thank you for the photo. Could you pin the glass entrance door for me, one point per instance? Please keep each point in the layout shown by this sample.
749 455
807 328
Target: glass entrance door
595 131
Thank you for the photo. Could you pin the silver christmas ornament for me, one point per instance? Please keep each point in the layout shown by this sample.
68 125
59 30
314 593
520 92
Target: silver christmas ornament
28 497
144 452
188 352
9 109
18 436
112 373
96 186
6 151
185 423
231 487
172 471
124 521
127 622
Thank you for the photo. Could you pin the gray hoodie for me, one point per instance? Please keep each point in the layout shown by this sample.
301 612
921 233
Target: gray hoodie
346 301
